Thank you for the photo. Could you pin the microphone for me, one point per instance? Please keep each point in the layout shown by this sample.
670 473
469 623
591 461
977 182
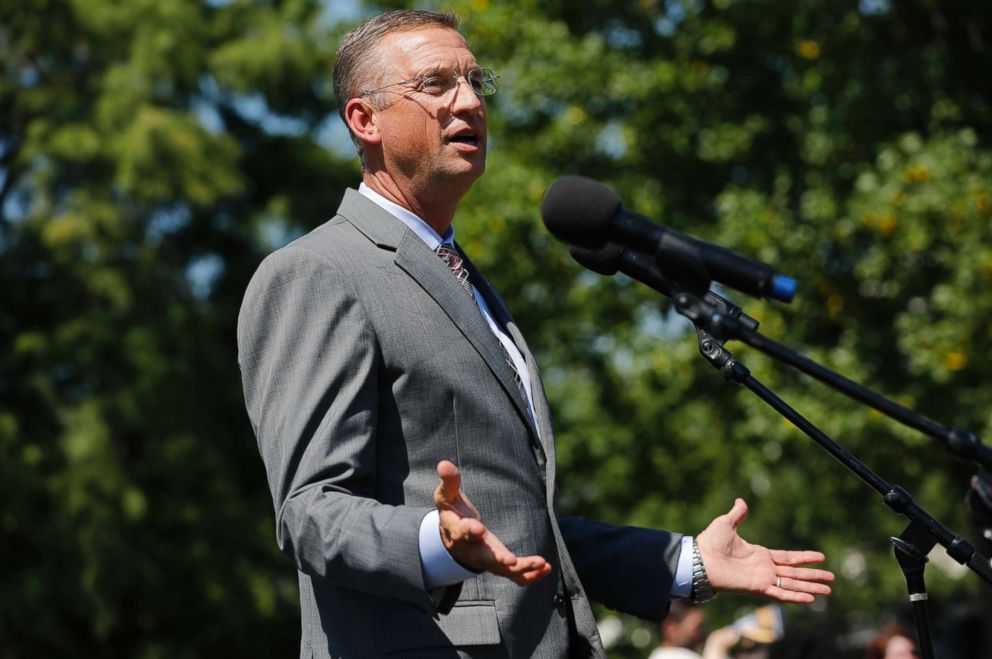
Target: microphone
611 258
584 212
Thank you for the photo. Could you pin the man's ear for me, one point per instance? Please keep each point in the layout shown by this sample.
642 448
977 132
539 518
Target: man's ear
363 120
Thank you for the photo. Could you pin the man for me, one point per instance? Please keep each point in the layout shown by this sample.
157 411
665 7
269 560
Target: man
386 381
682 631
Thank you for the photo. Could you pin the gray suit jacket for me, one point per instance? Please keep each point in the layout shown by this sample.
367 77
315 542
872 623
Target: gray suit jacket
364 364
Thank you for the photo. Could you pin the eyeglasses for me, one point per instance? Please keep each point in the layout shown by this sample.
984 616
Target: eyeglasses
440 83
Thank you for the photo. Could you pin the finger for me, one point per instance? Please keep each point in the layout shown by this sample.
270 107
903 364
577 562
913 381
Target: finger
457 529
527 564
499 561
792 557
451 482
481 554
528 570
533 576
475 530
495 555
796 585
804 574
500 553
789 596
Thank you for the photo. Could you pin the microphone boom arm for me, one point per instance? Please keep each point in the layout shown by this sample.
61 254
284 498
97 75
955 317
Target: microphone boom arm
962 443
923 532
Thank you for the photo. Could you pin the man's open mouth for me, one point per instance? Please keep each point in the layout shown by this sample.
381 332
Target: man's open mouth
465 139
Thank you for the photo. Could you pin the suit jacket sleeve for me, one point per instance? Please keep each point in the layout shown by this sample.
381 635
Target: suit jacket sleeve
626 568
310 367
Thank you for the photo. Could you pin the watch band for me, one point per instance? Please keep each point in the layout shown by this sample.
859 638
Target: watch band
702 591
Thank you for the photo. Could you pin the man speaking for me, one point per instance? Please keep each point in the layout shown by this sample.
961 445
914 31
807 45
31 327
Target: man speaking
401 416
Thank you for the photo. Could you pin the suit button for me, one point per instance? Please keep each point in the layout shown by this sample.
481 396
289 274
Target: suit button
558 601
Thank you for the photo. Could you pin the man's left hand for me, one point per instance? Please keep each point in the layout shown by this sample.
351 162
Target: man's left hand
735 565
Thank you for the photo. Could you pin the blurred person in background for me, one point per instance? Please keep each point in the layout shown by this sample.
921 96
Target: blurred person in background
684 635
682 632
893 641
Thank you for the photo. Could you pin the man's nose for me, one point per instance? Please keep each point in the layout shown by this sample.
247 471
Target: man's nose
464 100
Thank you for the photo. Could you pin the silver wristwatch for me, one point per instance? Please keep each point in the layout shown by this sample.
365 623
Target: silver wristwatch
702 591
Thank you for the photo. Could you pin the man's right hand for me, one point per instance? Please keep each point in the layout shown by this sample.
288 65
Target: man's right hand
469 541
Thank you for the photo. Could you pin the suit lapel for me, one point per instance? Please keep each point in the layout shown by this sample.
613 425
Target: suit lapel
502 315
432 274
537 391
372 220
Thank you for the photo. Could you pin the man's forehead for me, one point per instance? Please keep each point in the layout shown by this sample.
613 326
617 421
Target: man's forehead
428 46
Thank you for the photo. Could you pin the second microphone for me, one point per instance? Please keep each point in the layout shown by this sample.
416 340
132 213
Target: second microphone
584 212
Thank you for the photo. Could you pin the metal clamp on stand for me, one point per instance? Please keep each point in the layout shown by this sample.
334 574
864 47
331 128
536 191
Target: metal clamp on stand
911 549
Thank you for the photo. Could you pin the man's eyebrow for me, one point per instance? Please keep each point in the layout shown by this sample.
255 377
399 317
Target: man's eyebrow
433 71
439 69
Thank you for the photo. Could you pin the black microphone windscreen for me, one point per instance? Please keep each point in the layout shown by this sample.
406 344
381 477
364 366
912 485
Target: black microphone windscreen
578 210
605 260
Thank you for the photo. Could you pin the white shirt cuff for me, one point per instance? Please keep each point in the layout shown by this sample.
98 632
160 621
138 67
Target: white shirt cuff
440 569
682 584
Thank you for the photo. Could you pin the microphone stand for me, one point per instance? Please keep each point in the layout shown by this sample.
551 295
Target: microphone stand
688 273
957 441
715 324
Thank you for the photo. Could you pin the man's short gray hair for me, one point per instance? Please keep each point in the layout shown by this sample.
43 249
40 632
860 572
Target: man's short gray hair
359 66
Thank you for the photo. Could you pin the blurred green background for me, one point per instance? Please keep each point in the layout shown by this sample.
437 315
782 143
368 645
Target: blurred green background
153 151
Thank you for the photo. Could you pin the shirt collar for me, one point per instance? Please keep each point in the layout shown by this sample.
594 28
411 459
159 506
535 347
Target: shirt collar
423 230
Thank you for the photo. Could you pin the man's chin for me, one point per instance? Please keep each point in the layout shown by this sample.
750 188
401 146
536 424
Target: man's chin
467 170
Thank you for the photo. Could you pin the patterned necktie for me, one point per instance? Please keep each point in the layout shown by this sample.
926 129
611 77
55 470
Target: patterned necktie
457 266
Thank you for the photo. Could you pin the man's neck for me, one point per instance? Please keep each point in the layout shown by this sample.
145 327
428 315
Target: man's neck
437 210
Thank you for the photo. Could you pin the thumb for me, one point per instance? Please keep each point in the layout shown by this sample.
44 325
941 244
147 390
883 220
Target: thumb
738 513
451 482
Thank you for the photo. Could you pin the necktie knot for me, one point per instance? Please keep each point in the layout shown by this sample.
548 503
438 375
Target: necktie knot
457 266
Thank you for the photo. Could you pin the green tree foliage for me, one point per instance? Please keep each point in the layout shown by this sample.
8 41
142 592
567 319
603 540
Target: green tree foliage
152 152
